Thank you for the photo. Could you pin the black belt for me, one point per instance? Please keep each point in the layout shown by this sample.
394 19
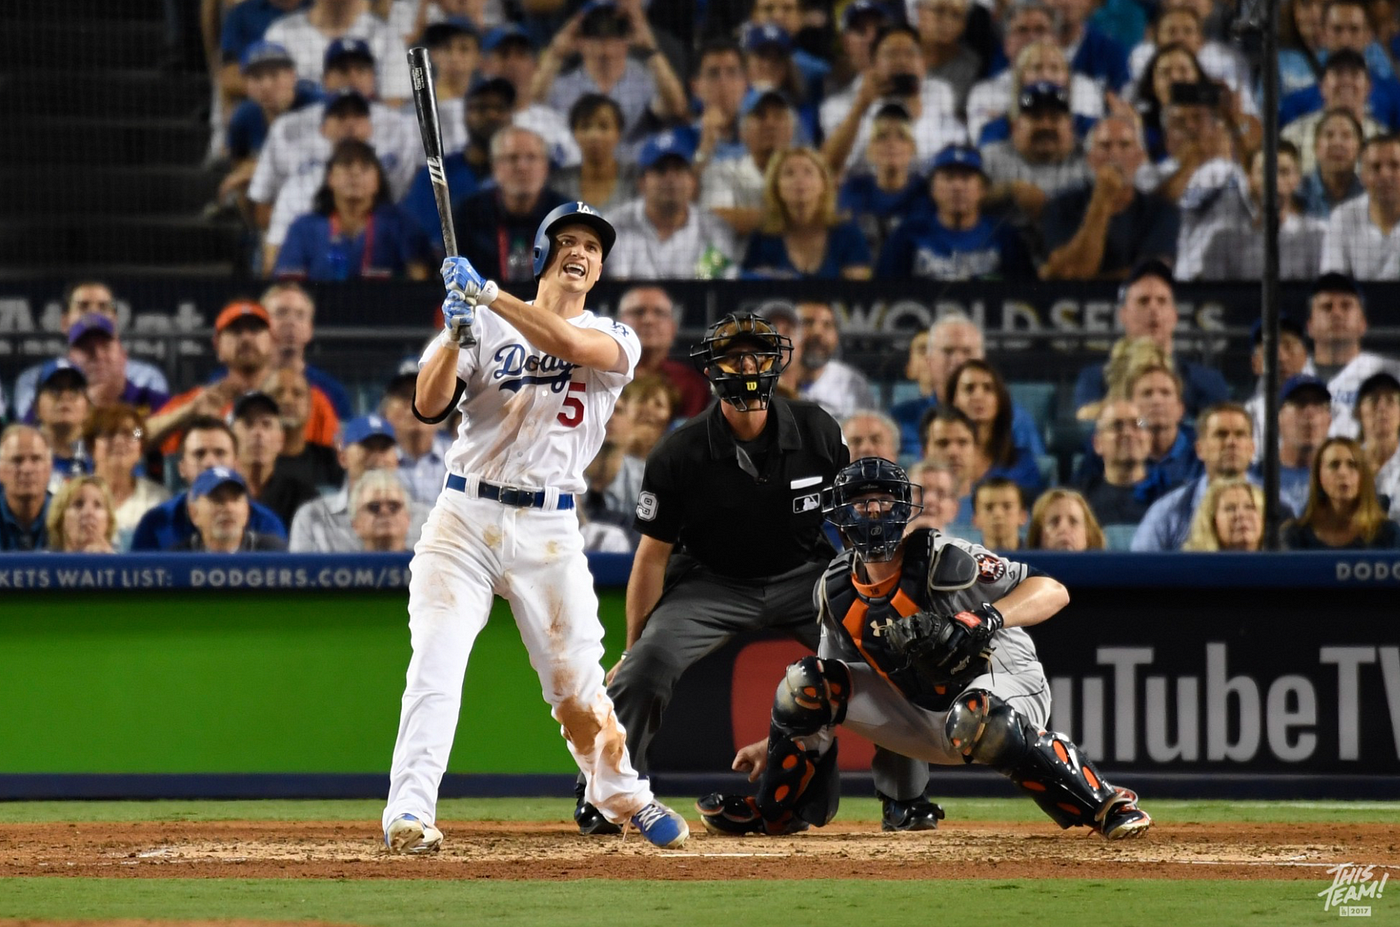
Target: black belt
509 495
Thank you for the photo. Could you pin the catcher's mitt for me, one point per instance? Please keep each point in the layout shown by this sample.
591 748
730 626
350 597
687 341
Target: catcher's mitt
945 648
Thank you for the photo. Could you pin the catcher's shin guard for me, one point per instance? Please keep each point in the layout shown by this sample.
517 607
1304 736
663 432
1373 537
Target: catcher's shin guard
1046 765
798 783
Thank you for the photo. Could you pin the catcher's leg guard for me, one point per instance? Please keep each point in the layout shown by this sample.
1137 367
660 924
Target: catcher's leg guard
1046 765
799 781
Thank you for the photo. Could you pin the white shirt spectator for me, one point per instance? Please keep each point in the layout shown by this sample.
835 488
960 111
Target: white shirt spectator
323 526
936 128
840 389
1003 164
1345 385
1216 195
307 46
1301 131
1218 60
640 253
1353 245
602 538
1388 484
403 17
991 99
634 91
423 478
146 495
559 142
1236 251
733 183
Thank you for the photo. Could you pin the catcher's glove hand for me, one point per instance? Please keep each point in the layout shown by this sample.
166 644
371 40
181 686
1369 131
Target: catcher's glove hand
942 648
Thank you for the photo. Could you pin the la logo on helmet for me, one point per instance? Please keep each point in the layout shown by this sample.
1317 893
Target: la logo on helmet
585 208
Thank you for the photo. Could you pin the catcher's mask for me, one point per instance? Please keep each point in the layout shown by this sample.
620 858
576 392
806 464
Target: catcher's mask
742 357
870 502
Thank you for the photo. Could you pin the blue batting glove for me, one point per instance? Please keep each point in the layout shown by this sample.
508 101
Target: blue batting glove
460 276
458 313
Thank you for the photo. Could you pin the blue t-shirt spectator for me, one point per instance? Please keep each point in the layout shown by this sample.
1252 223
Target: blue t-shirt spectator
1383 103
384 248
999 129
168 524
1178 465
14 537
924 247
767 255
879 212
1101 58
246 22
421 207
247 127
909 413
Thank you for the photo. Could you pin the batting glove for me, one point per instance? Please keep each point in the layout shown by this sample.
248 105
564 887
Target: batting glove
458 314
460 276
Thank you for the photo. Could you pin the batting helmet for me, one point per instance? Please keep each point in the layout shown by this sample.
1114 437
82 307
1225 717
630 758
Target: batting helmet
569 214
730 342
874 525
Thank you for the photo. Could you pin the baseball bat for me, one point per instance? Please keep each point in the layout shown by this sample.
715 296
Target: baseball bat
425 103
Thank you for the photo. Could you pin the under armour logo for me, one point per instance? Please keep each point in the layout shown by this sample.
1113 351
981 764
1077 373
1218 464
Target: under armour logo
878 628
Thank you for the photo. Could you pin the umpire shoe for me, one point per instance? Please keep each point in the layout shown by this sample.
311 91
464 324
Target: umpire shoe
914 814
1121 818
735 815
590 820
661 826
407 834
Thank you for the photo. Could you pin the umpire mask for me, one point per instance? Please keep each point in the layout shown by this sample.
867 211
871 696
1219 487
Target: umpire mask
742 356
870 502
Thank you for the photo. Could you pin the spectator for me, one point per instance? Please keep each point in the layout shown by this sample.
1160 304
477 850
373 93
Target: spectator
81 518
454 52
1041 158
880 199
496 226
208 442
1345 25
310 461
1106 226
1121 440
509 54
422 446
999 512
954 240
733 187
309 36
244 25
115 434
381 512
950 440
325 525
1378 411
1024 25
291 314
354 230
25 464
1147 309
1091 52
816 375
1171 449
1172 64
977 389
871 434
220 512
1345 86
1042 62
1300 27
614 478
269 77
770 64
655 318
1304 415
1179 24
939 496
941 25
95 349
62 408
486 111
1293 360
663 234
257 425
1063 520
1336 325
1230 517
861 22
1362 238
1225 448
651 401
787 15
1336 145
897 75
80 299
1343 512
600 178
1235 251
801 235
719 86
612 42
1125 357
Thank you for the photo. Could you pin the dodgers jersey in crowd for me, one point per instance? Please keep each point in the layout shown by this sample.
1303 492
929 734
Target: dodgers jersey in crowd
528 418
1344 386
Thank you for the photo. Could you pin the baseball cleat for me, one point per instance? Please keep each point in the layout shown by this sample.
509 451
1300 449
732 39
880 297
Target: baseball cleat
914 814
661 826
589 819
734 816
1121 818
407 834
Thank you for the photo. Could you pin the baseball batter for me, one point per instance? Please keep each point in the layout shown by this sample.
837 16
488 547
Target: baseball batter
924 651
535 392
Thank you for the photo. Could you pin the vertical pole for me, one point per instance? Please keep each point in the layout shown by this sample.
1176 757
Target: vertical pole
1269 288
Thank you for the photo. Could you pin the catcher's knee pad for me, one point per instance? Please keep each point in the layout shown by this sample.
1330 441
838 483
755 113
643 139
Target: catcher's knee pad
799 782
1046 765
812 695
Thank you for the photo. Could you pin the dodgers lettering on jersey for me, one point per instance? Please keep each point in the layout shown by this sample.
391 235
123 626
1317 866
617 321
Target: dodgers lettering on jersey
531 419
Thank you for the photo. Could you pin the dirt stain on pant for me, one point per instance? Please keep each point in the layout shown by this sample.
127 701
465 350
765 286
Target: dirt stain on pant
583 725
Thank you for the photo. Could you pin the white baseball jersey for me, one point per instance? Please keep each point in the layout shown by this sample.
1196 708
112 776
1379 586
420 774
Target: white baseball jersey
307 46
530 419
1345 385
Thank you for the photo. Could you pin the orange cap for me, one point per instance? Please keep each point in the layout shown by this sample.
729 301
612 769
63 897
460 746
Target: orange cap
237 310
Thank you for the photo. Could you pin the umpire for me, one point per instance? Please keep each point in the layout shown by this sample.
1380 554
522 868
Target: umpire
731 522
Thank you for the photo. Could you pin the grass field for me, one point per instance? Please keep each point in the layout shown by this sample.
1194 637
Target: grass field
793 903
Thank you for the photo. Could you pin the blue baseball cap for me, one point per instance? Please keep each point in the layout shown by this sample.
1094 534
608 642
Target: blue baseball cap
64 369
443 31
1286 325
865 9
755 98
213 478
664 145
1304 383
766 35
260 53
509 32
1043 95
361 429
88 324
347 47
963 157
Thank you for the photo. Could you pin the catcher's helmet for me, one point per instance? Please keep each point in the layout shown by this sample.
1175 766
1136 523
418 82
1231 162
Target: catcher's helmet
873 526
721 356
568 214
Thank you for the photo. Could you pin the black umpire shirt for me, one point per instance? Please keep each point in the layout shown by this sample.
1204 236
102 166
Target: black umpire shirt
744 509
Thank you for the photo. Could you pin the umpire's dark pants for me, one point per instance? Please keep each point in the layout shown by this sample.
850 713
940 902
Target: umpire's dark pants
699 612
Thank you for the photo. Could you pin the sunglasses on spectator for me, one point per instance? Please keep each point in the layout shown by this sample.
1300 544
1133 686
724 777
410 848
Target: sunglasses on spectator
384 508
1127 424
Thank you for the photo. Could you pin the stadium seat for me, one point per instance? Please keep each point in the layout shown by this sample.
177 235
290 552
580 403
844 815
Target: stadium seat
1038 399
1119 537
903 391
1049 467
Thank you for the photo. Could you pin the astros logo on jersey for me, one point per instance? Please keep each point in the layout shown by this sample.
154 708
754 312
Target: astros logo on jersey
524 369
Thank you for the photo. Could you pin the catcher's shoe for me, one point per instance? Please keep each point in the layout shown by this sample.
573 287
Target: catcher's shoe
661 826
914 814
1121 818
589 819
735 815
407 834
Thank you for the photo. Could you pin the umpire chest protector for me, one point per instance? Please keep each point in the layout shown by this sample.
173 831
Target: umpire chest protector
931 573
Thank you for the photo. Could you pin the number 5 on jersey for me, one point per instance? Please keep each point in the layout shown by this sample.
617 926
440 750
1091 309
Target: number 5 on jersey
572 416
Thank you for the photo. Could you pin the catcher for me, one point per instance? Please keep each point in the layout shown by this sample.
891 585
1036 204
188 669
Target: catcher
924 651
